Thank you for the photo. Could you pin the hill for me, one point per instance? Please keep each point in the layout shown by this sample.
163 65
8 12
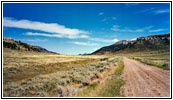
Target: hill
152 42
18 45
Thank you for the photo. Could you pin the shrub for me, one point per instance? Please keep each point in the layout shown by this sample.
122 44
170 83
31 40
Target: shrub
78 79
65 91
165 66
49 86
87 90
103 59
41 94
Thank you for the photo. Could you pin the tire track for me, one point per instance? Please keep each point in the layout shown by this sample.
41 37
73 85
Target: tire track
145 81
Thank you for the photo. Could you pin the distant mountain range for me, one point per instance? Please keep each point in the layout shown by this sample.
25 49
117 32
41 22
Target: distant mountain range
153 42
84 54
18 45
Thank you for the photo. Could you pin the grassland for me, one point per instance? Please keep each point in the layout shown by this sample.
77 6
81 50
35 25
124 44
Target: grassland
44 74
159 58
108 84
36 74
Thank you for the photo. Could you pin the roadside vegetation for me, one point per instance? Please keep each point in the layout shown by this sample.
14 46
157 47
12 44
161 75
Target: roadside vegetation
159 58
86 91
112 87
107 85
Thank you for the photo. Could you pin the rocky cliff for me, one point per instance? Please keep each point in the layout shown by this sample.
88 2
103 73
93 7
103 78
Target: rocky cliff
153 42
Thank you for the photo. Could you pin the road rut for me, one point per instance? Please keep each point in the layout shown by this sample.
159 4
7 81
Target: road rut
145 81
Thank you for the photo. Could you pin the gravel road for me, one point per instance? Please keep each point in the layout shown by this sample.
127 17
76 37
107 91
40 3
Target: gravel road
145 81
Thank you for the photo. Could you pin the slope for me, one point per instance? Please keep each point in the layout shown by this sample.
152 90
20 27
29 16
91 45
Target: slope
18 45
153 42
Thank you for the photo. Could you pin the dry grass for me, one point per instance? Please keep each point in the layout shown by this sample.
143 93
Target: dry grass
42 74
160 58
112 87
108 84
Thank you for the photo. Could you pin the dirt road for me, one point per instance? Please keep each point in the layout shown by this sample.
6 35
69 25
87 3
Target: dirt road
145 81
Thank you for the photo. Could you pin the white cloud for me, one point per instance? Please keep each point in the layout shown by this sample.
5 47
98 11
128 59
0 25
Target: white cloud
157 30
101 13
103 40
148 27
58 30
84 43
52 29
58 35
134 39
43 34
80 36
116 28
34 40
126 30
161 11
155 11
147 10
115 40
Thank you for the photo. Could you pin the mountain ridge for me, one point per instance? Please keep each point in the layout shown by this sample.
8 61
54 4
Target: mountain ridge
151 42
18 45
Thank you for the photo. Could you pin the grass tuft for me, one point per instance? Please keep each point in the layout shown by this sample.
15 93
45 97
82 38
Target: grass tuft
87 90
112 88
119 69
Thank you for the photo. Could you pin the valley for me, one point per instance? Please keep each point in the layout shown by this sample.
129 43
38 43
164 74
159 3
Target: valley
139 68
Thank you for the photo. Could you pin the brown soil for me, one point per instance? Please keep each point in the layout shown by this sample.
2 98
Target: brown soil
145 81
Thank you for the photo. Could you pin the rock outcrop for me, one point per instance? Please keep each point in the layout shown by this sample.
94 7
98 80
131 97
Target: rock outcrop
153 42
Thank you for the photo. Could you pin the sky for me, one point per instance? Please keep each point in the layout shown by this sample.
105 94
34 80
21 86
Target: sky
77 28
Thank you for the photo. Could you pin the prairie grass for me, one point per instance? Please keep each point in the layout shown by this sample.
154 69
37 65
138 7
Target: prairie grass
160 58
88 89
119 68
43 74
108 85
112 87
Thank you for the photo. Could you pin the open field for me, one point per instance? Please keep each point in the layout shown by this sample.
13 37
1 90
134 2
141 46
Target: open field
81 50
159 58
43 74
36 74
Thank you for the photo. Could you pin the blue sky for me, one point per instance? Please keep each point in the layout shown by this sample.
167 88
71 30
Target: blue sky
74 28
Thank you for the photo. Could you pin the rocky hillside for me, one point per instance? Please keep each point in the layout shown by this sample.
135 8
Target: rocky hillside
18 45
153 42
